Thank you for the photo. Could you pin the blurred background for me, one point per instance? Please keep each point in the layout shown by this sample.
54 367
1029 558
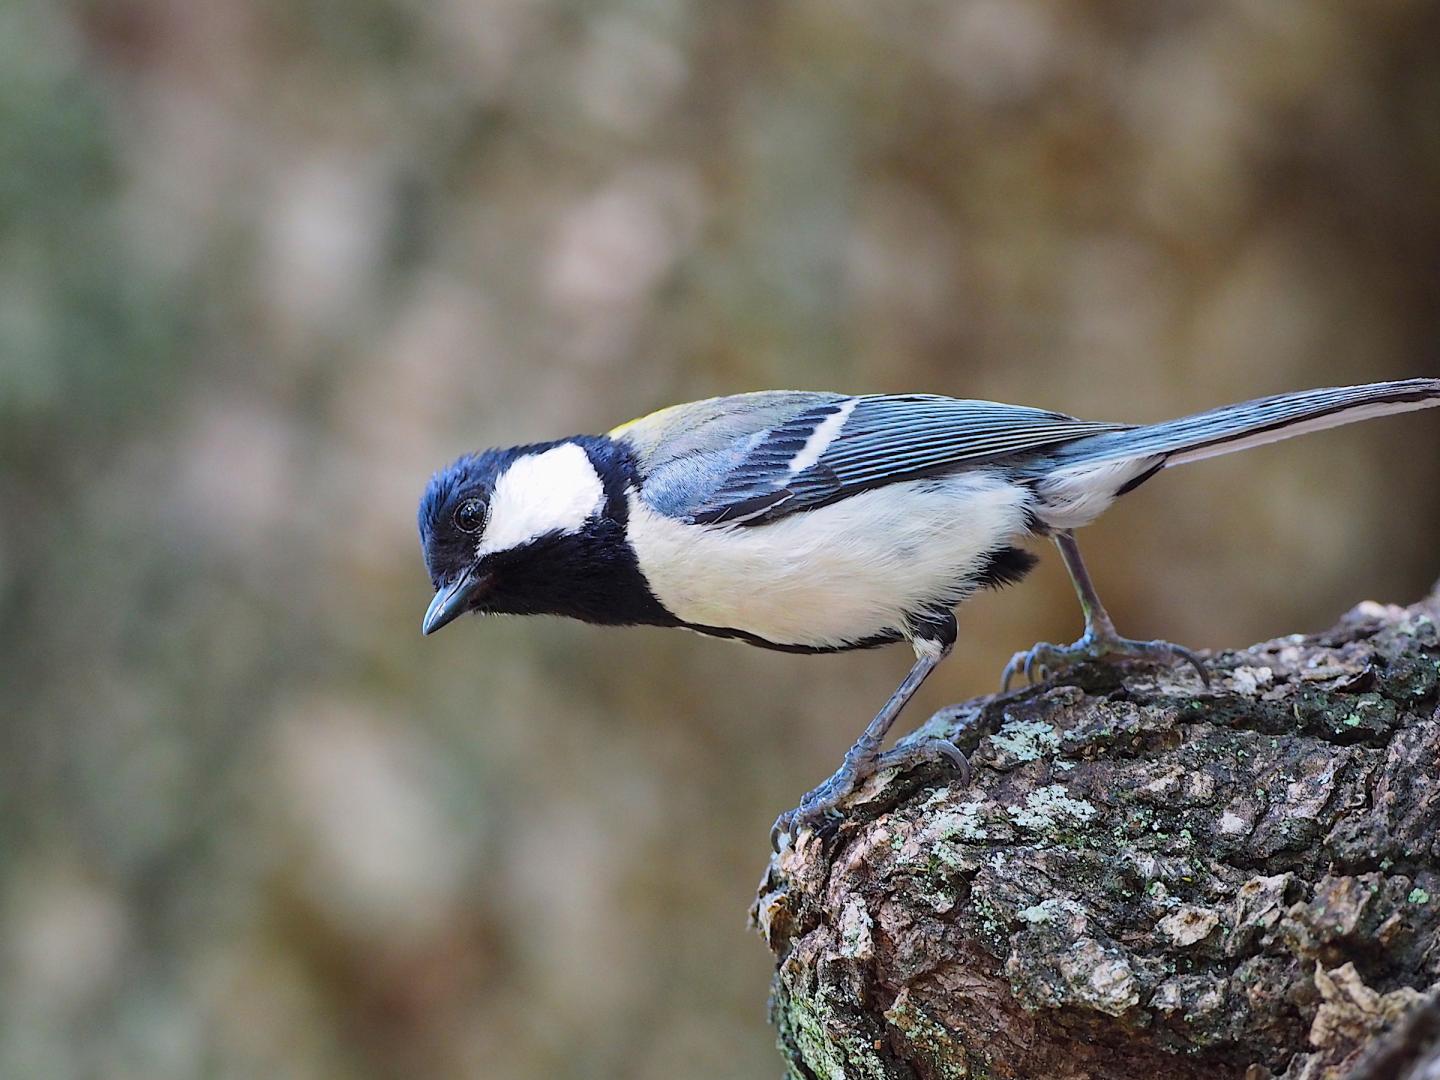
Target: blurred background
266 265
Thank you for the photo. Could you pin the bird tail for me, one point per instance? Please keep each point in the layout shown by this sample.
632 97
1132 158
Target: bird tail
1077 481
1250 423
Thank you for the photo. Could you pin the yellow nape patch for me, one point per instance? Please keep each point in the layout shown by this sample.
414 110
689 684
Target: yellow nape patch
616 432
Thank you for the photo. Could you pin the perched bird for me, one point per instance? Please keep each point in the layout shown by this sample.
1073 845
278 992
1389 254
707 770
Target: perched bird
814 523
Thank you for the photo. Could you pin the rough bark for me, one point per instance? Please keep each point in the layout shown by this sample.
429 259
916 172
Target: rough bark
1145 877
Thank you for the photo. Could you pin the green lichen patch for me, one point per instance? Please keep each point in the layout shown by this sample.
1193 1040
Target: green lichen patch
1026 740
933 1044
964 822
1051 807
831 1036
1048 911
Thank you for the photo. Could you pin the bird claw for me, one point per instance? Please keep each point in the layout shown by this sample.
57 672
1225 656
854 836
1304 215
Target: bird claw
815 808
1045 659
928 750
1022 662
819 808
813 815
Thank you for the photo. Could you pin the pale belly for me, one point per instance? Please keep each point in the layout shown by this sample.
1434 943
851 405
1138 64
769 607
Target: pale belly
824 578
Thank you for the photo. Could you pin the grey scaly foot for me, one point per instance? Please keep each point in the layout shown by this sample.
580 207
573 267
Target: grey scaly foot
931 749
821 806
1043 660
815 809
1099 642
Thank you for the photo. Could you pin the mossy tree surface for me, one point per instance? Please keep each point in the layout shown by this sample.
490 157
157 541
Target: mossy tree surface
1145 877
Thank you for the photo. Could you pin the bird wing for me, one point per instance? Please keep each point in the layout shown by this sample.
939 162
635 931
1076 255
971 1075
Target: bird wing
685 454
699 427
813 452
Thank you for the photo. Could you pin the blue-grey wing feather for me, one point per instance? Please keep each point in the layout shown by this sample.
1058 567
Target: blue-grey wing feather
884 438
686 454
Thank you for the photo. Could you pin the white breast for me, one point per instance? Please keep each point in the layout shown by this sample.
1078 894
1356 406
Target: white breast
827 577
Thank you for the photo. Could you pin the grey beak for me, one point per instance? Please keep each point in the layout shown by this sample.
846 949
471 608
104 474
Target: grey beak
454 600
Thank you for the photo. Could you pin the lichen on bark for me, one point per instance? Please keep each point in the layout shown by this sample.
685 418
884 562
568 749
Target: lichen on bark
1145 874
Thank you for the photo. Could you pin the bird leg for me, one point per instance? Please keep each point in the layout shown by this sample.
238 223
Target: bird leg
864 759
1100 641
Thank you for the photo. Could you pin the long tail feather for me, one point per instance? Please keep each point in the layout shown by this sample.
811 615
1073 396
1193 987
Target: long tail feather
1251 423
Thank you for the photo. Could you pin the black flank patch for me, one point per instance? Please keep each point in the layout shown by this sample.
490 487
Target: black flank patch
1005 566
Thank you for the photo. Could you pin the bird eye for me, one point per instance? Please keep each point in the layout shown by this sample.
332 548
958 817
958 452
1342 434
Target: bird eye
470 516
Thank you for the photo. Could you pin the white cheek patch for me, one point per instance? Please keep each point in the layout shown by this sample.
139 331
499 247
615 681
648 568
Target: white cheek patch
556 490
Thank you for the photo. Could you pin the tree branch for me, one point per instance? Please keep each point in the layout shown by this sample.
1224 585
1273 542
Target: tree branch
1144 877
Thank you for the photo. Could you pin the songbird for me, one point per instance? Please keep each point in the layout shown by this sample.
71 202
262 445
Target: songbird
818 522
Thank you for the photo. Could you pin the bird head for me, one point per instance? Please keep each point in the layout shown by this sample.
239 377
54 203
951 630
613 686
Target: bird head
508 530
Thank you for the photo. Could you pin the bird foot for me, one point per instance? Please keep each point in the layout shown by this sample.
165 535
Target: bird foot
1041 661
820 808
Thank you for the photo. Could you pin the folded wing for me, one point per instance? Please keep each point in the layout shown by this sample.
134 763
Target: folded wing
821 448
